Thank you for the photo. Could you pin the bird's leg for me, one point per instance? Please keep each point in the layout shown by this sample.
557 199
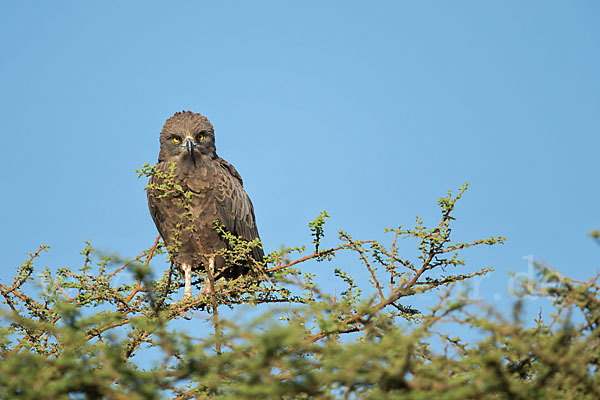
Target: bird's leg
187 270
211 267
210 276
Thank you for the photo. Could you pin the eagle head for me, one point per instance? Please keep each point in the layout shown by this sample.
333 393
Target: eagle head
187 135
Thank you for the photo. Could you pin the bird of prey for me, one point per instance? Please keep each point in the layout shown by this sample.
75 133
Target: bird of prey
216 194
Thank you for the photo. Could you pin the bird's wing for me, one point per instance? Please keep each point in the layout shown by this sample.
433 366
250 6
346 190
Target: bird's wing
234 206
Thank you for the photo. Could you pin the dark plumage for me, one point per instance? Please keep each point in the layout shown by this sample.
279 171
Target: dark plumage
217 194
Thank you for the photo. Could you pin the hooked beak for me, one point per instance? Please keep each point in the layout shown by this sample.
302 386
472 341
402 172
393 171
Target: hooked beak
189 145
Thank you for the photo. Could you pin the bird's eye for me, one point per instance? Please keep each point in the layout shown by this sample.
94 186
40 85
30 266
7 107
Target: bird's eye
199 137
176 139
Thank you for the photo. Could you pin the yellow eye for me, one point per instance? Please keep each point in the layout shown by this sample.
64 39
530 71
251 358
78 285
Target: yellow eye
200 137
176 139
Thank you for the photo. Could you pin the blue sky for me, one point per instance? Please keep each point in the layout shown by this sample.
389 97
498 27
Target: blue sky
370 111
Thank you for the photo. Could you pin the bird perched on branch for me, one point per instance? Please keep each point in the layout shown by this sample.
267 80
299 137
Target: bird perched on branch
215 192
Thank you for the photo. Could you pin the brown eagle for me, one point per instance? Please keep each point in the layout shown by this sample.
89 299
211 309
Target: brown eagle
217 194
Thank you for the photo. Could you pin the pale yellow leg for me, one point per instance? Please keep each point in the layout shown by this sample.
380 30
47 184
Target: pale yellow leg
187 270
211 272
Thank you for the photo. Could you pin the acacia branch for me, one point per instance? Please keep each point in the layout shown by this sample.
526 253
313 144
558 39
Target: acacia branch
360 250
315 255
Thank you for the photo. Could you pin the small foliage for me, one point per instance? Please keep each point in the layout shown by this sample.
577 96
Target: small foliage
79 335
